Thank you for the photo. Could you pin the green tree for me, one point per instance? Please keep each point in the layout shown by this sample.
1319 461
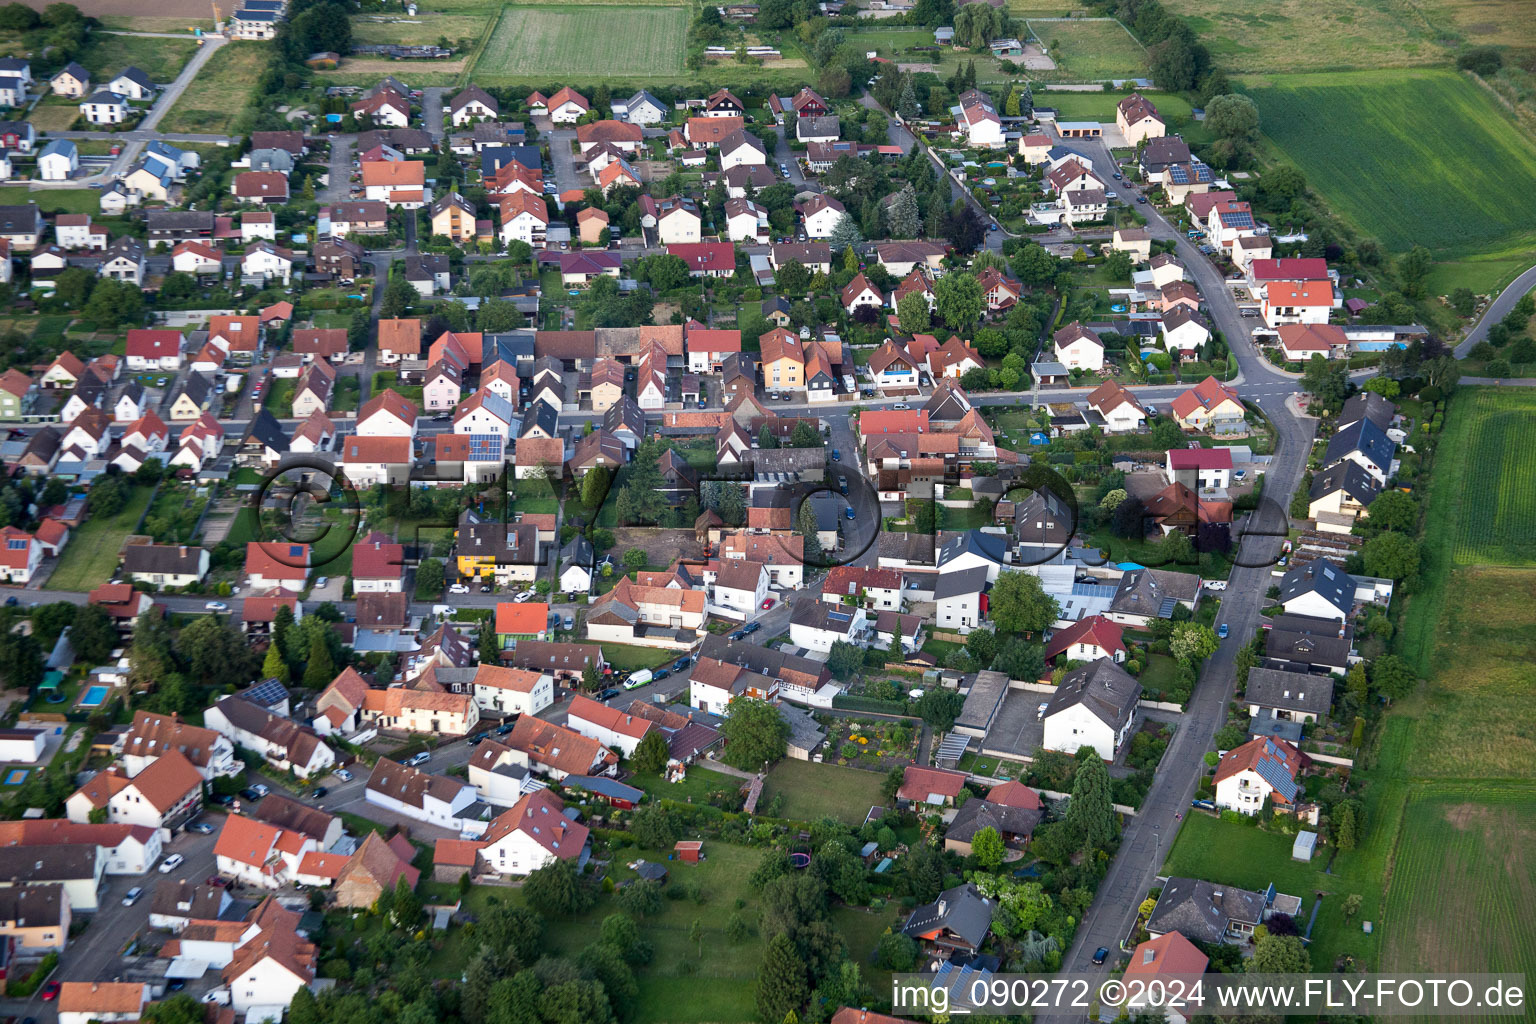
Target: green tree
1091 811
1020 659
1019 604
320 670
1033 264
1232 117
805 525
555 890
1392 556
654 827
398 297
622 933
1280 954
1393 677
1393 510
782 988
912 310
959 301
845 234
754 734
405 909
792 278
92 634
987 847
594 487
1192 643
940 707
183 1009
215 652
1412 269
651 754
905 221
429 576
273 666
1326 380
845 660
1345 828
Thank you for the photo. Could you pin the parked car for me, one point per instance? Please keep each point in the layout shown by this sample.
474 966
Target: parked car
837 456
322 581
849 513
202 828
608 694
504 728
342 774
737 635
458 588
211 606
660 674
129 899
176 984
682 663
569 622
250 794
171 863
318 792
768 603
487 589
420 757
638 679
1101 954
1215 584
750 628
1221 631
223 799
217 881
260 789
525 595
1141 199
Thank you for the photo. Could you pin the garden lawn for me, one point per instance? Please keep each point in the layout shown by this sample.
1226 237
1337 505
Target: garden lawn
90 557
1431 159
62 200
631 658
812 791
1158 674
1232 854
106 54
695 787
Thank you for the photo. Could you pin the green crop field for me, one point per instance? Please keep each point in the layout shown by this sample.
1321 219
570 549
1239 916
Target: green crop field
1461 886
1092 50
585 42
1497 521
1408 157
1296 35
217 97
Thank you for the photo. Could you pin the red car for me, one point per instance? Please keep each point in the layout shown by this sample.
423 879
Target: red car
217 881
767 603
51 991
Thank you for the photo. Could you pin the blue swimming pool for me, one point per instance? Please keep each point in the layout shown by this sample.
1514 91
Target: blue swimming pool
94 697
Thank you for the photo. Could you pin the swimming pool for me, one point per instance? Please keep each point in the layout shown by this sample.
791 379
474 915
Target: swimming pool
94 697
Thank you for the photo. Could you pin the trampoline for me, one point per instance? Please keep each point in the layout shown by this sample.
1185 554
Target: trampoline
799 860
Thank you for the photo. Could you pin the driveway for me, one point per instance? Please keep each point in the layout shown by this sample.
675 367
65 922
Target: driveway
563 159
340 169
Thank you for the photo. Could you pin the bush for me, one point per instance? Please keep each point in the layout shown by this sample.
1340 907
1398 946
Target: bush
1498 368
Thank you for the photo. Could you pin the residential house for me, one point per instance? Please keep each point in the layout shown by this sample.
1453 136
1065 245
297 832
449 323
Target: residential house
1078 348
165 794
1088 640
58 161
472 104
958 921
271 565
1263 769
977 119
1210 407
404 709
284 743
1318 589
1367 446
1119 410
556 751
104 108
650 616
1093 706
1138 119
1287 695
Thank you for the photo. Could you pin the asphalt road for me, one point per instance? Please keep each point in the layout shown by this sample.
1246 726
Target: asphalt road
1497 310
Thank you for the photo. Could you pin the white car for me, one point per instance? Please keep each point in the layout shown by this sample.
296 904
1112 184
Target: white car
1215 584
260 789
171 863
215 606
342 774
132 895
526 595
458 588
321 582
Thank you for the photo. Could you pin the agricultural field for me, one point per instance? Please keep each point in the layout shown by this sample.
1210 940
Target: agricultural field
585 41
1432 159
424 29
217 97
1460 888
175 11
1294 35
1497 517
1091 50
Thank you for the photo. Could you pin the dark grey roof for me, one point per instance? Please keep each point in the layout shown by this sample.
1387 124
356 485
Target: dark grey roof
179 220
1369 406
1364 437
49 862
1153 592
541 415
1321 577
963 911
1289 691
1201 910
761 660
916 548
993 546
1348 476
975 815
135 76
170 559
1104 688
265 429
32 906
185 898
956 584
1304 640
